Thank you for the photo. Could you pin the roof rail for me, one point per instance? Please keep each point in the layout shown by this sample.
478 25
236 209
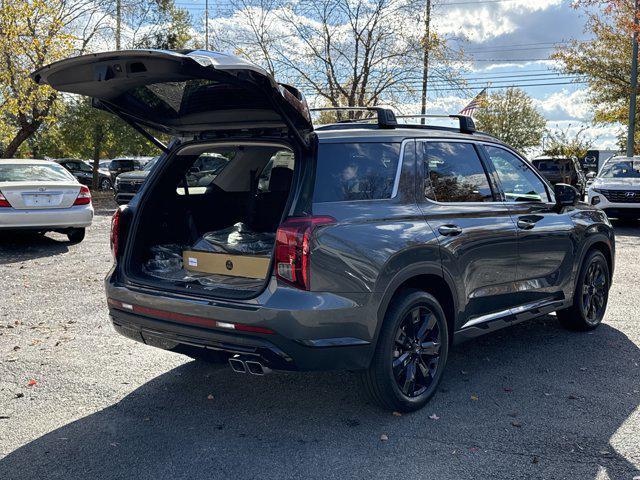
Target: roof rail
384 115
467 125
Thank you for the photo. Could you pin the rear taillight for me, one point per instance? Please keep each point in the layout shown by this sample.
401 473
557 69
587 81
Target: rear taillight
114 238
84 197
293 249
3 201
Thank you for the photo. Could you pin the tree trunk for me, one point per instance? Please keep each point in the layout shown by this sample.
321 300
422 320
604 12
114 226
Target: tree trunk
25 132
98 137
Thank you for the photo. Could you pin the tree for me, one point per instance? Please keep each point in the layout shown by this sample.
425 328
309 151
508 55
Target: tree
511 116
34 33
155 24
563 143
605 62
341 52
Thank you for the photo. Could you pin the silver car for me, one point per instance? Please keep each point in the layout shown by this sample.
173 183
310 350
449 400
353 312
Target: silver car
41 195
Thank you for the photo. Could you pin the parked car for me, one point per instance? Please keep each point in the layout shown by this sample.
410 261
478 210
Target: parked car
128 183
122 165
83 171
562 170
376 247
616 188
43 196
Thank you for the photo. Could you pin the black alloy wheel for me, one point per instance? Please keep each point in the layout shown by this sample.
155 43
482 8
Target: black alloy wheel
591 294
417 351
594 292
410 354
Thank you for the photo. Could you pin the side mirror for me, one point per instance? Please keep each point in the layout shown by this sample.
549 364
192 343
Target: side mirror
591 175
566 195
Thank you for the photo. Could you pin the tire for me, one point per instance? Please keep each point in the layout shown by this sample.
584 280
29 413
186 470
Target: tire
591 295
76 235
398 357
105 184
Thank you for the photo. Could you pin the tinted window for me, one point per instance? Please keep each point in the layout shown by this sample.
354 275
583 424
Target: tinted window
454 173
355 171
518 180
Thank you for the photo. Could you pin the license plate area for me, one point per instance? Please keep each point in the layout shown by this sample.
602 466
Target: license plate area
49 199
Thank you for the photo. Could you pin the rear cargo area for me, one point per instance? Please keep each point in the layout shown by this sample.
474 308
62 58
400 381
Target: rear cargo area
209 222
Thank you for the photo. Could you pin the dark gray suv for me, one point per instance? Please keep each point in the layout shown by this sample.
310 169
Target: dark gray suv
365 245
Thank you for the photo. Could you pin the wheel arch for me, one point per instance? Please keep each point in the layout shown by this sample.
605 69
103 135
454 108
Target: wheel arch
428 278
601 243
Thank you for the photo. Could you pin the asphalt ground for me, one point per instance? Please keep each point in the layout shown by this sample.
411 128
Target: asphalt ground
79 401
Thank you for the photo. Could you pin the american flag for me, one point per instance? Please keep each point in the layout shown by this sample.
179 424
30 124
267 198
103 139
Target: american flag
477 102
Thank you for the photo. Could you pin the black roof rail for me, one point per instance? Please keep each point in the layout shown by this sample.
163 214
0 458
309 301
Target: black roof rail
467 125
384 115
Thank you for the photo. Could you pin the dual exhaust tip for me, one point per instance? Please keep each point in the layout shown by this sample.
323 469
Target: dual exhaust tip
240 365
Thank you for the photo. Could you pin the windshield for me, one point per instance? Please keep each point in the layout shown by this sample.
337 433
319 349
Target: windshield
625 169
34 173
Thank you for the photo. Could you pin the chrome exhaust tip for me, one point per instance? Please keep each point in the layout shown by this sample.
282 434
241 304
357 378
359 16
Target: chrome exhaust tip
237 365
256 368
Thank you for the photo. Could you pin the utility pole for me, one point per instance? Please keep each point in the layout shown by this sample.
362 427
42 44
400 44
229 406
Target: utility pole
634 86
206 25
425 58
118 23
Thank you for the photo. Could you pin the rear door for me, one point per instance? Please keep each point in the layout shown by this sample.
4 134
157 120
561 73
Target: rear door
478 238
546 240
182 94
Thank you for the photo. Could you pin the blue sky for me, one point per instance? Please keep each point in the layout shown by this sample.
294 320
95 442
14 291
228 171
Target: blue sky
507 42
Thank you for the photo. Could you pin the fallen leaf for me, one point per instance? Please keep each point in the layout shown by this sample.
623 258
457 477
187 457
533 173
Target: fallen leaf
508 389
473 449
383 438
474 398
397 414
209 397
516 424
535 459
31 383
434 417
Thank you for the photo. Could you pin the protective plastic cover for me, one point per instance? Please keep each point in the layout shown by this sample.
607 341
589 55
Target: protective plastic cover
166 260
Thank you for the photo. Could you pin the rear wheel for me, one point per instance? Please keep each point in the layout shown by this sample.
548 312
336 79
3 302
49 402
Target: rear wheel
591 295
76 235
411 353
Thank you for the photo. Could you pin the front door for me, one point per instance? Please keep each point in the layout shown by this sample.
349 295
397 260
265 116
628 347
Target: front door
478 238
546 244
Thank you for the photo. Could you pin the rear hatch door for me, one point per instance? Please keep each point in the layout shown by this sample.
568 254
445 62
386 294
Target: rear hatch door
182 93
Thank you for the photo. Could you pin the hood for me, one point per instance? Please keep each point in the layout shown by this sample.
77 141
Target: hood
616 183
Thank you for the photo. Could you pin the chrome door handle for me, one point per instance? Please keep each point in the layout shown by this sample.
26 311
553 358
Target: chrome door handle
450 230
525 224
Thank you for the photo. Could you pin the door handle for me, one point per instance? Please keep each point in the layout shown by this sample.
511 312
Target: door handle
525 224
449 230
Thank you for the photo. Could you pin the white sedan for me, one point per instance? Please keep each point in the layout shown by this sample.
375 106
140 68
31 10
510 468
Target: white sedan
43 196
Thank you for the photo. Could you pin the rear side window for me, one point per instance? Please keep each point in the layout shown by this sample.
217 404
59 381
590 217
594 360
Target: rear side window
355 171
454 173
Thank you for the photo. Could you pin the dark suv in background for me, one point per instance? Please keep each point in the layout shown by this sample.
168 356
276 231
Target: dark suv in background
127 184
562 170
366 245
83 171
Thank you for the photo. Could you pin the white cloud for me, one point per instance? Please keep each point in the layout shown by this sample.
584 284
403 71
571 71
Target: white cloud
565 105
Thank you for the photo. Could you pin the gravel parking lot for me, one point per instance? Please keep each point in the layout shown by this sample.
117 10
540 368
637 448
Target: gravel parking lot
79 401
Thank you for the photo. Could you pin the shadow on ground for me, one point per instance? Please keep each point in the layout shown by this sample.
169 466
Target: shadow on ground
22 246
548 404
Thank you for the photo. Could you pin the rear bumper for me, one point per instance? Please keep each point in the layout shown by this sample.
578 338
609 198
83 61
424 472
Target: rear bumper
50 218
320 337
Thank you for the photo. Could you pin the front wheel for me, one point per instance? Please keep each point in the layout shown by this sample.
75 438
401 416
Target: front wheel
591 295
410 355
105 184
